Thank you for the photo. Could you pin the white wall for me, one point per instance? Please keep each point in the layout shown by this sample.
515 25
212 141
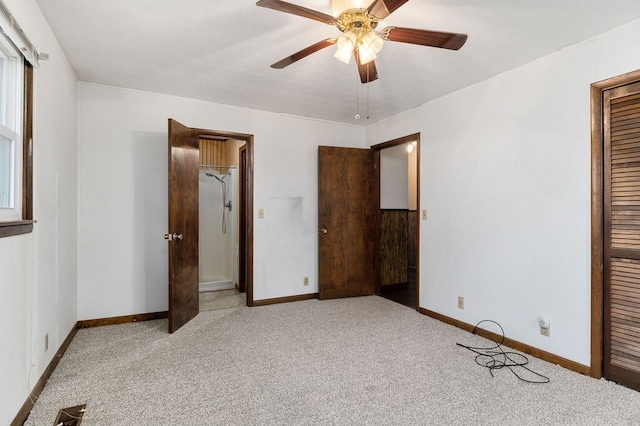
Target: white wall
412 178
505 175
38 278
123 194
394 172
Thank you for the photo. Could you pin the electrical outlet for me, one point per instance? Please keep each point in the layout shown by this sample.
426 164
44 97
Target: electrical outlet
460 302
545 325
544 322
305 281
46 342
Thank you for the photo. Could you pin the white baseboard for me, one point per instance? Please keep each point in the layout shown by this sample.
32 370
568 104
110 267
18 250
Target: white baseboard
217 285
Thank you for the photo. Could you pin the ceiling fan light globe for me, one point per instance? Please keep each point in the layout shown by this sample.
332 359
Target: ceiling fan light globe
346 44
372 42
343 56
366 56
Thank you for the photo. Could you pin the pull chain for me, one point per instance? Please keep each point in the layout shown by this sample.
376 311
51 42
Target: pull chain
357 116
368 83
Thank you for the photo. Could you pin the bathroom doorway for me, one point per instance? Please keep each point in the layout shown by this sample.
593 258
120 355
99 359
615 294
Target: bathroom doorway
183 234
219 235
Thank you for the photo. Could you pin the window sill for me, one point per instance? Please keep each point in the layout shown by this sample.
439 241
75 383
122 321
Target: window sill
8 229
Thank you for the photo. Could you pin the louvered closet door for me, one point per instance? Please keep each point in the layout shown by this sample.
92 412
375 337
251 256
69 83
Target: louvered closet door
622 235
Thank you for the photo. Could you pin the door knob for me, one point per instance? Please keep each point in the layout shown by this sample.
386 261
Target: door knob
173 236
324 230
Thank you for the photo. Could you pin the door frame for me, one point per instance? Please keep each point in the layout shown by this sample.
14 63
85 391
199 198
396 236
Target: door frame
242 255
415 137
597 215
247 201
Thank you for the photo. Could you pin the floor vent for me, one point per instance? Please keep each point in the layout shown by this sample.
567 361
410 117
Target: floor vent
71 416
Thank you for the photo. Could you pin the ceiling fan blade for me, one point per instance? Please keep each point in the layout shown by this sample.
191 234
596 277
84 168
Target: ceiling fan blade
304 53
294 9
383 8
453 41
368 71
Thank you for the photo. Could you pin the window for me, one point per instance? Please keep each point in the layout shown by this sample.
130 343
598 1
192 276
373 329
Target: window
16 77
10 129
6 167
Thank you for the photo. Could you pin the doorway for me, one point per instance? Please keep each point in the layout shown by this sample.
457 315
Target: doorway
219 212
615 206
398 185
349 221
183 235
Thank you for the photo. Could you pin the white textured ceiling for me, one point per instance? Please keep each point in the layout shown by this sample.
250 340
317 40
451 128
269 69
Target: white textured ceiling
220 50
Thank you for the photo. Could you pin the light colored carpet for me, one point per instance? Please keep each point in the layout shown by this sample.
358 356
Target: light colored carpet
358 361
222 299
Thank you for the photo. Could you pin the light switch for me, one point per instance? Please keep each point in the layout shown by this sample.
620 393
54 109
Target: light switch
424 214
260 213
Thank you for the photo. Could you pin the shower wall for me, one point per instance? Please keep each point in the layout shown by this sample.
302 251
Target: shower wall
216 260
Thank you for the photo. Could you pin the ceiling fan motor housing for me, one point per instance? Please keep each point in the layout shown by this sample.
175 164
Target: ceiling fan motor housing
356 20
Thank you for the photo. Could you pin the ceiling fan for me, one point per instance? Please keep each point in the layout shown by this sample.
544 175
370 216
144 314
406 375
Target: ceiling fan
358 23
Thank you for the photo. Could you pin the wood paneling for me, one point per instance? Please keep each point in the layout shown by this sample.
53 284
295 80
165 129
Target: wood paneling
394 246
213 152
412 223
219 152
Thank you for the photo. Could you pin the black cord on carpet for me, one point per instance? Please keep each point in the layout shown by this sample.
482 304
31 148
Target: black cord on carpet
495 358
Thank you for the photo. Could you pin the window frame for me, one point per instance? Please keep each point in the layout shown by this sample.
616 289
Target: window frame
25 225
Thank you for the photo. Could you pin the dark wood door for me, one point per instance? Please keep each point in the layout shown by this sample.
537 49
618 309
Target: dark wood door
183 225
347 216
621 118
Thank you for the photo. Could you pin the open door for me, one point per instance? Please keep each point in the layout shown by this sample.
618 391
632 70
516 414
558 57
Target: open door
347 216
183 225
